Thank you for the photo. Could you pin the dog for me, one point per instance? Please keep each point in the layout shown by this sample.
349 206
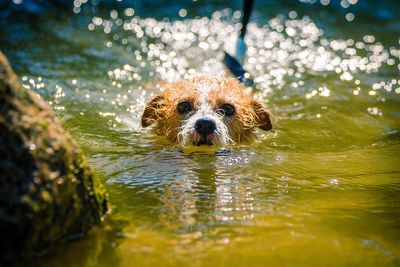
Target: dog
206 111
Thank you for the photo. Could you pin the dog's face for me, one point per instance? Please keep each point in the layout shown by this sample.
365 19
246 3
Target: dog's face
206 111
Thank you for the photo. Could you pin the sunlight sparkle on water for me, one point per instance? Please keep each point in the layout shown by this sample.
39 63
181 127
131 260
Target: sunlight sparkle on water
280 54
283 50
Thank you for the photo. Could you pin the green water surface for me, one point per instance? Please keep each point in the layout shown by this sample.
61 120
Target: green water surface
322 189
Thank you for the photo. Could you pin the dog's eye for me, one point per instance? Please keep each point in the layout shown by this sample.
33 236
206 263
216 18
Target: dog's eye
228 109
185 107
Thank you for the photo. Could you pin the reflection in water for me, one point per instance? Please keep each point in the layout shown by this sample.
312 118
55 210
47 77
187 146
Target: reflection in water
203 188
210 194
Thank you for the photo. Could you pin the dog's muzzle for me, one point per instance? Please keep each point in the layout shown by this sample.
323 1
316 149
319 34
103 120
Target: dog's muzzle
205 127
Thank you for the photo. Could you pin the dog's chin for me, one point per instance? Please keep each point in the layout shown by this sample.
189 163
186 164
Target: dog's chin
196 139
203 142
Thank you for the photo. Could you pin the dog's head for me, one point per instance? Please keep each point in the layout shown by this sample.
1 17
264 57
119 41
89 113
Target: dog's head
207 111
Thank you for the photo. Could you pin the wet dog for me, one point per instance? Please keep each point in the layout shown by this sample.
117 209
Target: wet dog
206 111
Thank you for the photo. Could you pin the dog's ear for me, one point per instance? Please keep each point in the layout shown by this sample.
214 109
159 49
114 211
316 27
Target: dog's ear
263 116
152 111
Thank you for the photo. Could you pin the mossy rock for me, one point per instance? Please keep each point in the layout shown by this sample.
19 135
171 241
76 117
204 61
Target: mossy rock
48 193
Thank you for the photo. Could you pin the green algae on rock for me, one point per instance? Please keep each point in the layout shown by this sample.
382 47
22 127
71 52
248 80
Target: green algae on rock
48 193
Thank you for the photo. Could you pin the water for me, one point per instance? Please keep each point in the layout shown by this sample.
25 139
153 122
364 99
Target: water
321 189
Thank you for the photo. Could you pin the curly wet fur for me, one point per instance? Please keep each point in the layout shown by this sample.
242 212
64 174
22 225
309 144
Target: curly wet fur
207 96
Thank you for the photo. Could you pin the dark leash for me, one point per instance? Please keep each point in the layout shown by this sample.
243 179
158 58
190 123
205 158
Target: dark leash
234 55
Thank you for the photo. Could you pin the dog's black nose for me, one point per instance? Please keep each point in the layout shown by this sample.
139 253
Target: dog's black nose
205 126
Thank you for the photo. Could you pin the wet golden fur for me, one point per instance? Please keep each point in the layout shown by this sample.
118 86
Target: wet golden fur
249 113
